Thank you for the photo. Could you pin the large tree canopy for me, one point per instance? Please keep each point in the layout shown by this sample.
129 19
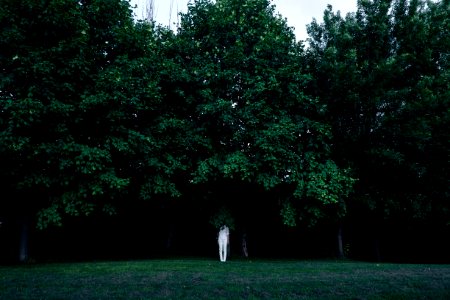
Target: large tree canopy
383 71
66 120
246 99
95 105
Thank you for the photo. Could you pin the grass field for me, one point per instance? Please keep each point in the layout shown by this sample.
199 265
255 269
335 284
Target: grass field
236 279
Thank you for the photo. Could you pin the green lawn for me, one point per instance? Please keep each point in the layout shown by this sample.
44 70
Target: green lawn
236 279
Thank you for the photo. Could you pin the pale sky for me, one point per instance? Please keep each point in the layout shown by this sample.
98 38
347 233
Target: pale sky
298 12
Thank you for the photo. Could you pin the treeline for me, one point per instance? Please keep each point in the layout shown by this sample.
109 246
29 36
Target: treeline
340 142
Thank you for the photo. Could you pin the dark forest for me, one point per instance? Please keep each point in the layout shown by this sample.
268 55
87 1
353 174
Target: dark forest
123 139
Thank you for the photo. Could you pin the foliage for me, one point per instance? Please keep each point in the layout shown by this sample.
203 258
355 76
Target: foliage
69 122
383 73
99 111
221 218
257 124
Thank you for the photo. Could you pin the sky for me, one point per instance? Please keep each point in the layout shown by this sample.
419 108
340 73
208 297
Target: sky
299 13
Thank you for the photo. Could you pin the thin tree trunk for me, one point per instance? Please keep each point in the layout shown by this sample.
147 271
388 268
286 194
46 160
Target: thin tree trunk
23 242
377 231
169 240
244 245
376 246
228 248
149 14
341 253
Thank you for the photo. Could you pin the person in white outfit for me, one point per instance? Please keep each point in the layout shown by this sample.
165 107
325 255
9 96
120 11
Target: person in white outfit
223 240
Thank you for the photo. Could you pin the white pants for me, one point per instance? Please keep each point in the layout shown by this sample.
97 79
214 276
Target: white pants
223 243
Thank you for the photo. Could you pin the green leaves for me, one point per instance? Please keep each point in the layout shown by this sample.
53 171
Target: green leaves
56 136
49 216
251 103
373 69
100 109
328 183
222 217
288 214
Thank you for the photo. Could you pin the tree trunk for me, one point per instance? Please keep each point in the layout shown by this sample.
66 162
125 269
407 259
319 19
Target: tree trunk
376 242
23 242
169 239
376 248
341 253
229 248
244 245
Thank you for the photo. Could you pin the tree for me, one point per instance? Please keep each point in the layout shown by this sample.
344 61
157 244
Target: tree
245 95
375 69
68 124
98 111
150 11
